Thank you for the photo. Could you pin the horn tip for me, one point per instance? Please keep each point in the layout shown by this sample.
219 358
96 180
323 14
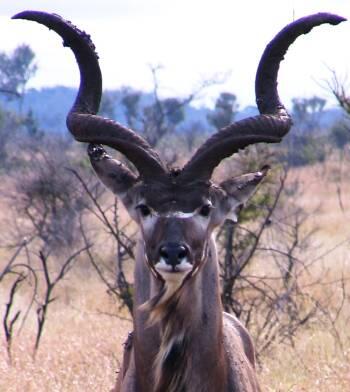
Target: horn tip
335 19
19 15
26 15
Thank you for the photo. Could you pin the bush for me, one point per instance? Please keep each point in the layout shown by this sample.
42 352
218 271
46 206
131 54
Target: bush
305 149
340 135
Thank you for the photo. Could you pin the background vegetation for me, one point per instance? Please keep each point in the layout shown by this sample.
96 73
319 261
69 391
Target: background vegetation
67 246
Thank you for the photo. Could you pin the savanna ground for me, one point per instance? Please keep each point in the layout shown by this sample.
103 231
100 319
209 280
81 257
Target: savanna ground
82 342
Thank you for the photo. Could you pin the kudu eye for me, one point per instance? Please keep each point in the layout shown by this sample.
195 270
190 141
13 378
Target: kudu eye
205 210
144 210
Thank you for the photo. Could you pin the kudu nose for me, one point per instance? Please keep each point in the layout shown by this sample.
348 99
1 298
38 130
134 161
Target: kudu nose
172 253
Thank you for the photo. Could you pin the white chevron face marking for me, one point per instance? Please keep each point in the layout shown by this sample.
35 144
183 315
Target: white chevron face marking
179 214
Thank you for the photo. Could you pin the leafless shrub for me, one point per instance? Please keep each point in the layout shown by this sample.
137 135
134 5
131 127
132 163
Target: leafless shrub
267 272
50 284
21 273
10 321
18 274
56 205
339 90
49 201
48 197
108 216
340 132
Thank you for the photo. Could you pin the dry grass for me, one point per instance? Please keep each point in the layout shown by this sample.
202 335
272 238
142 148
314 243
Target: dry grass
82 345
321 184
80 348
314 365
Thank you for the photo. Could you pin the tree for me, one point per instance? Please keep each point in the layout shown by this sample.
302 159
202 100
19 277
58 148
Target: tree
226 108
9 125
15 70
307 113
340 135
130 101
30 123
339 90
107 107
158 117
305 143
155 117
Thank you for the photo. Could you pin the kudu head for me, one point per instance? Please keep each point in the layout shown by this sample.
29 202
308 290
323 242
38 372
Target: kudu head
176 210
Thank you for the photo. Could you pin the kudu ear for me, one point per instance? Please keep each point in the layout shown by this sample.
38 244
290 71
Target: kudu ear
240 189
114 175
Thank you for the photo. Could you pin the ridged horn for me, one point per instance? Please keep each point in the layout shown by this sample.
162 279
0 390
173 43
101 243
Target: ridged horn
273 122
82 120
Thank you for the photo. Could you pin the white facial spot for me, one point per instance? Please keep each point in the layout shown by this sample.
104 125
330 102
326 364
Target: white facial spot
167 271
173 280
148 222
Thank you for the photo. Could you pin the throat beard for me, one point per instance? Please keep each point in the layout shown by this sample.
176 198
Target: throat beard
169 308
171 362
168 295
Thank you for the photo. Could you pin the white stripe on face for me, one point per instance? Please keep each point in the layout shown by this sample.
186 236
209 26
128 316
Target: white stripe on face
179 214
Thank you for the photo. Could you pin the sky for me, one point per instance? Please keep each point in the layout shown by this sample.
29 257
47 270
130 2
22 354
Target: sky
192 40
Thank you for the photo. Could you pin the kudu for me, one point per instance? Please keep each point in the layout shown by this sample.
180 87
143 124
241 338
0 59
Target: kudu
182 341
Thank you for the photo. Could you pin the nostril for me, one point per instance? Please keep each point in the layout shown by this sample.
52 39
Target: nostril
182 253
163 252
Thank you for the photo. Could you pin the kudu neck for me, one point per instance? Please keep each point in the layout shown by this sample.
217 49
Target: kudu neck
195 325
